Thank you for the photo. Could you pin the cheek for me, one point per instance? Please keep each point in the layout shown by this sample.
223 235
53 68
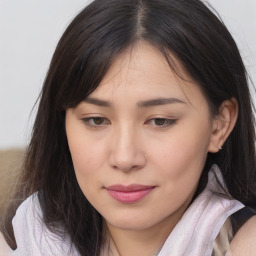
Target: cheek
86 166
86 152
180 164
82 158
182 153
87 160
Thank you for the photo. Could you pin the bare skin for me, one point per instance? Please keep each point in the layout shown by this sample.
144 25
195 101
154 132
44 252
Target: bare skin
144 125
244 241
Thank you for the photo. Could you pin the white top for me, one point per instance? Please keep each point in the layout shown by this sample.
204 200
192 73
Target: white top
193 235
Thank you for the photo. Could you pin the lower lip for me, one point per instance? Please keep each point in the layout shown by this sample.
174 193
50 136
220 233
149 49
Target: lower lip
129 196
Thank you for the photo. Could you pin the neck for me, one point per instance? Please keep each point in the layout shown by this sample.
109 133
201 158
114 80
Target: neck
146 242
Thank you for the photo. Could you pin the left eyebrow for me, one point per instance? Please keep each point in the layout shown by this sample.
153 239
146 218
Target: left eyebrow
158 102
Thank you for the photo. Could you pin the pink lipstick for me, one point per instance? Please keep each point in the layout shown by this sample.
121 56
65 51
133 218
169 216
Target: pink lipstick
129 194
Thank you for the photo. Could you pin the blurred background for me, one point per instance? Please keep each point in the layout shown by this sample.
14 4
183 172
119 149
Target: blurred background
29 32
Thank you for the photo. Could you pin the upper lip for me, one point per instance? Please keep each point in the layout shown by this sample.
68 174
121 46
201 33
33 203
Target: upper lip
129 188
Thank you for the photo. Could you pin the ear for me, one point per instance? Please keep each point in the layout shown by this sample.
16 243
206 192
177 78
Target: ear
223 124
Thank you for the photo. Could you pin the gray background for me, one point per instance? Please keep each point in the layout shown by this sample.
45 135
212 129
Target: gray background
29 32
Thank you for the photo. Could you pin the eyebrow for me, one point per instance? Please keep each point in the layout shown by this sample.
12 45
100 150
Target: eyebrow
98 102
140 104
159 101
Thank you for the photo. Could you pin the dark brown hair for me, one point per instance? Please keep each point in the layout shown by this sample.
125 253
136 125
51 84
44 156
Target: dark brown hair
185 29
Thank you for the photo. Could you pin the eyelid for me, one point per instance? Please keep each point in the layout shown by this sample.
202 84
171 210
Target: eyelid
88 121
168 122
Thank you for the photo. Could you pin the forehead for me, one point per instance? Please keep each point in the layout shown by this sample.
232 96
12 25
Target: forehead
143 71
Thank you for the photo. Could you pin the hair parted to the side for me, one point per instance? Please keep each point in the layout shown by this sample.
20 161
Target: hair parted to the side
185 30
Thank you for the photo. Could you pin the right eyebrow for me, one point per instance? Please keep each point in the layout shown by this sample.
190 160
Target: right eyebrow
97 102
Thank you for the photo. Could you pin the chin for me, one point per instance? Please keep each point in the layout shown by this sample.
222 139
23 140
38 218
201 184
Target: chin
132 223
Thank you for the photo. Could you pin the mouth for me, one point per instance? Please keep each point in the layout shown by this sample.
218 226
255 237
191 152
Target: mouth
129 194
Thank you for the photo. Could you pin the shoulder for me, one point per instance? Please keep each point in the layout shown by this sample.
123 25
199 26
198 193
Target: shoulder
30 206
28 216
32 235
20 226
244 242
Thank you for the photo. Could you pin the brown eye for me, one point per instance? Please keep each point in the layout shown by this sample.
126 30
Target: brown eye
96 121
160 121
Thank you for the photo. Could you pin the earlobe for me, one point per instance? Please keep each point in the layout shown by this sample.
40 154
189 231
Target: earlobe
223 124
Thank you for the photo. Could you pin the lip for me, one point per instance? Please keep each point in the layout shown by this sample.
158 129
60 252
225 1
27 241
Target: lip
129 194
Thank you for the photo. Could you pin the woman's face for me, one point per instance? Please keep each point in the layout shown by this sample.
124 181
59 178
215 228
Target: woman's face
139 142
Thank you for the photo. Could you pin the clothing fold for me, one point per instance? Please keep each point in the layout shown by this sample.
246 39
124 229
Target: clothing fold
194 234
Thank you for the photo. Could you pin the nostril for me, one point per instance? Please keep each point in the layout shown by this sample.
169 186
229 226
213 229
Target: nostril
127 162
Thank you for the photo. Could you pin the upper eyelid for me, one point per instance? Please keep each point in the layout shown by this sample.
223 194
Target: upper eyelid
162 118
87 119
149 118
152 117
92 116
168 120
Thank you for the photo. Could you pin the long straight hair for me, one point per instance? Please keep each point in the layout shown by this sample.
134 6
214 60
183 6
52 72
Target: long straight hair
186 30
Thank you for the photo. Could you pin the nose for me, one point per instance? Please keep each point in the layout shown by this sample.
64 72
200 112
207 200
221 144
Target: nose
126 150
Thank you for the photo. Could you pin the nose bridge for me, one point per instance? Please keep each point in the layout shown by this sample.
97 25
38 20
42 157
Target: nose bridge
127 151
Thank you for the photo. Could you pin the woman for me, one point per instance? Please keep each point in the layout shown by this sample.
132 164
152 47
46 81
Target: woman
144 141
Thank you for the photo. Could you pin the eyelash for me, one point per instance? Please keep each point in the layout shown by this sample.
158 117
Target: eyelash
90 122
166 122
